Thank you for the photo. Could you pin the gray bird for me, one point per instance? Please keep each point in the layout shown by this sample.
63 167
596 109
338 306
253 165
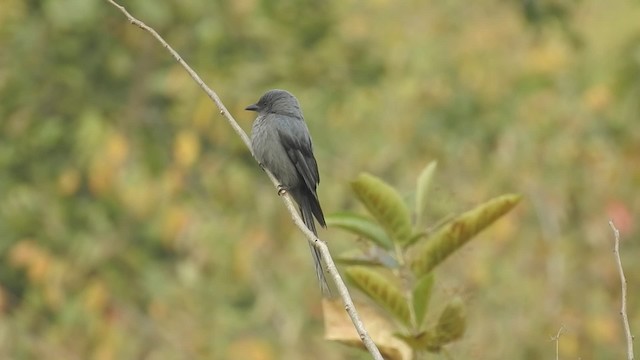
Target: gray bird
281 143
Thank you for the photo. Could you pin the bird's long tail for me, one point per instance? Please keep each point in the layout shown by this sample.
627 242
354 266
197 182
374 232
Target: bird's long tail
307 217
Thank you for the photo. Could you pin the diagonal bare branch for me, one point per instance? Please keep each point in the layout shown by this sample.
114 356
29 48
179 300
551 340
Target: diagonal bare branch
623 283
322 246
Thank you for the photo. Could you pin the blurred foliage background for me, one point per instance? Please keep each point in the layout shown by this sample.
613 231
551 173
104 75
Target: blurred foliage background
134 224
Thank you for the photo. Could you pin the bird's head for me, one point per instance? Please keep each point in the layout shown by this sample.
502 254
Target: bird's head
277 102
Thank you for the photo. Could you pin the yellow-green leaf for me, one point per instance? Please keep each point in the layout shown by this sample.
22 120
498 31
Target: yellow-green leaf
362 226
452 322
386 205
422 190
357 257
450 327
432 251
415 237
425 340
382 291
421 297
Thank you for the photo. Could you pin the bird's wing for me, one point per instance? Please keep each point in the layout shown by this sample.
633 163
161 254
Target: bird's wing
294 136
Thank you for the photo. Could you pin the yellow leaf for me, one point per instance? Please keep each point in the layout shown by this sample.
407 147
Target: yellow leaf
96 297
244 252
175 221
172 181
69 181
242 7
108 343
101 177
27 254
548 58
139 200
338 327
250 348
605 328
598 98
203 113
186 148
116 149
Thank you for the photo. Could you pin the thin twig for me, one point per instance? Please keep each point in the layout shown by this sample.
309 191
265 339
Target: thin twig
556 339
314 240
623 283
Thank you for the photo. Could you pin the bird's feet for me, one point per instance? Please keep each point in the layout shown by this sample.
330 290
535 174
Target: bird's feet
282 190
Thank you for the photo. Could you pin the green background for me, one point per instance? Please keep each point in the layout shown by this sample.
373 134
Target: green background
134 224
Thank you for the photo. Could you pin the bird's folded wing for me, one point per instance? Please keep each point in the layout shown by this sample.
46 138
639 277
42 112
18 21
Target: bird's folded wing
296 142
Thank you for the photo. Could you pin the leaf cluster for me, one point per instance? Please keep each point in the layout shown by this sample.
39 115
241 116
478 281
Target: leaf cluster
397 272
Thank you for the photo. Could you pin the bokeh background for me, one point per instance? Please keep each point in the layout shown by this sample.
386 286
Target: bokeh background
134 223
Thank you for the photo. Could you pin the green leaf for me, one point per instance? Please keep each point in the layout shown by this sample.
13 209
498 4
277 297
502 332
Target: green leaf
415 237
360 225
425 340
345 260
380 290
356 257
432 251
450 327
422 190
386 205
421 297
452 322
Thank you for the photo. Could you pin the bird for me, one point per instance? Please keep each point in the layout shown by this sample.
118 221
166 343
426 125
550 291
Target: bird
281 143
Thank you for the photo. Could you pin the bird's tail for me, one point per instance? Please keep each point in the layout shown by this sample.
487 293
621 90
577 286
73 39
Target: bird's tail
307 217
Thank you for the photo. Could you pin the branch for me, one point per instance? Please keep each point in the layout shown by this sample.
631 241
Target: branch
623 282
313 239
556 339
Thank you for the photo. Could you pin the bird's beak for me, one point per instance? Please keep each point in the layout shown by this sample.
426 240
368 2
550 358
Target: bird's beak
253 107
